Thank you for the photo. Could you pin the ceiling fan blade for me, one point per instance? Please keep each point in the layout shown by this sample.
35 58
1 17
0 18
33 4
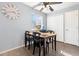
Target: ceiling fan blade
41 9
51 9
37 5
50 3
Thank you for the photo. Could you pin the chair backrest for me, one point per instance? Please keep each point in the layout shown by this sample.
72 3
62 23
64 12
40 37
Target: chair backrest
36 36
26 32
27 35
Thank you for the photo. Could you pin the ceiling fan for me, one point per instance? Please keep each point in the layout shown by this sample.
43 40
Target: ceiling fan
45 4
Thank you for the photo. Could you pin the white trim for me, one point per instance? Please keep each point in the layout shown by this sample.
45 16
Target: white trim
11 49
78 27
63 27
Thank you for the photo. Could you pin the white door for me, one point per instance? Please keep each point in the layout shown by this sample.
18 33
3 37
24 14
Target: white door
55 23
71 27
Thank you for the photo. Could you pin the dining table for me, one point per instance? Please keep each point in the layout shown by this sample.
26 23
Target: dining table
46 36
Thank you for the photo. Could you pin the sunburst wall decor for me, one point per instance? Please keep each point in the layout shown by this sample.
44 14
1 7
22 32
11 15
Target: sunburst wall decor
10 11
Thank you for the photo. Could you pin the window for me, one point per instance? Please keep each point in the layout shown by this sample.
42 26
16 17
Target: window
37 20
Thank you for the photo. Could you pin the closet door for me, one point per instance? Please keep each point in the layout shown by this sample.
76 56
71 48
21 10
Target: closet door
55 23
71 27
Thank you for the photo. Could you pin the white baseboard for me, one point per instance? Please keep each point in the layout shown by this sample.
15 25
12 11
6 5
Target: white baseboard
11 49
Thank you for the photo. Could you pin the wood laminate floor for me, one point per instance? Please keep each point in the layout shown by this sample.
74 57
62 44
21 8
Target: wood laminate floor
63 49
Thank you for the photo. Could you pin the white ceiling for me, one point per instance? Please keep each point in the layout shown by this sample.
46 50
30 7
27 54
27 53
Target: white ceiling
55 7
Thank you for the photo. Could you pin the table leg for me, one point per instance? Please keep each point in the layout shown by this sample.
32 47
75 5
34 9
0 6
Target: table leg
52 42
55 42
44 50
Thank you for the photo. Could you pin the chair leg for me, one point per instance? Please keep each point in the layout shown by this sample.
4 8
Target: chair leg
52 42
48 48
44 49
33 50
25 43
39 51
29 45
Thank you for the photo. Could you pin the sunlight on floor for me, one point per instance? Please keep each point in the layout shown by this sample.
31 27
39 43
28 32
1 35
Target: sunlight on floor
65 53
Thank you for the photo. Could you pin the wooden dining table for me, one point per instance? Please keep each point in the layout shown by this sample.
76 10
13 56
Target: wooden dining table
46 36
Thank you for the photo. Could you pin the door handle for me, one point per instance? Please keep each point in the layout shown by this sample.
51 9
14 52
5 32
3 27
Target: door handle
66 29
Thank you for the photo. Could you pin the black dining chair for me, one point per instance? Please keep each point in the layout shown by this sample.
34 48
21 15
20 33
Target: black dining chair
28 39
38 42
51 38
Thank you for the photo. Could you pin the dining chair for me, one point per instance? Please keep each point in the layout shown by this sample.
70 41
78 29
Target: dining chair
39 42
28 39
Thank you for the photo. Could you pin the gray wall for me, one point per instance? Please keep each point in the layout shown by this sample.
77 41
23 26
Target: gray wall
12 31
